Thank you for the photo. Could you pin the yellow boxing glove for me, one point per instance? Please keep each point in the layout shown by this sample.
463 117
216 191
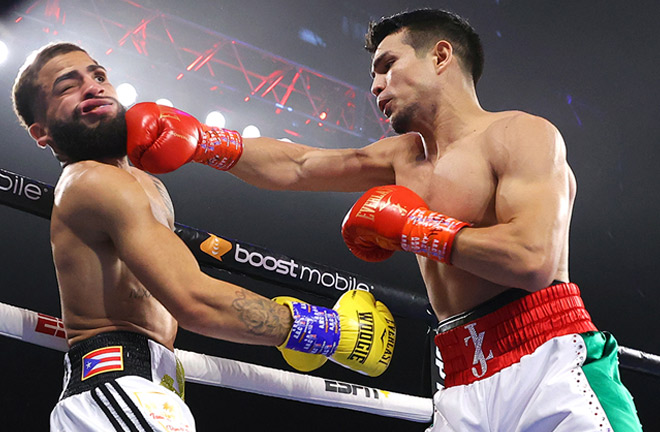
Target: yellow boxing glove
368 333
358 333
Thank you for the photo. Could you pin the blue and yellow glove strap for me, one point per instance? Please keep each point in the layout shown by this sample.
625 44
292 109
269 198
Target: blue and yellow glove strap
315 329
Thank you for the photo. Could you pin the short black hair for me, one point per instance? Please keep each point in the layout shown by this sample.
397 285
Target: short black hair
427 26
25 93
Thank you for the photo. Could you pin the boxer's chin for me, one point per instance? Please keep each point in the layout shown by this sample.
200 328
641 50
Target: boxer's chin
78 141
402 120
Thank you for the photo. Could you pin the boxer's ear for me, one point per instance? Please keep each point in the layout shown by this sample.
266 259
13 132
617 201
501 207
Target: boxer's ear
442 54
40 135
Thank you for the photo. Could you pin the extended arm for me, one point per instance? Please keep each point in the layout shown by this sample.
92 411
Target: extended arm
273 164
161 139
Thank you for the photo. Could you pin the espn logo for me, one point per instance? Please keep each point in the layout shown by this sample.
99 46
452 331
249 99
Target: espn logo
352 389
50 325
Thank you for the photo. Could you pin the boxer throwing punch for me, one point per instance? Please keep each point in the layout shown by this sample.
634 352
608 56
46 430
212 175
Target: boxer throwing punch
127 282
484 199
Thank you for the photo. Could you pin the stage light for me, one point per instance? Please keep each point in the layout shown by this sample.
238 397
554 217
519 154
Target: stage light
310 37
165 102
215 118
126 94
251 131
4 52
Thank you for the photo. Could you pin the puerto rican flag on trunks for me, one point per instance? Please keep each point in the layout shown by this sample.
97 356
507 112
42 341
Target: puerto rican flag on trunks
102 360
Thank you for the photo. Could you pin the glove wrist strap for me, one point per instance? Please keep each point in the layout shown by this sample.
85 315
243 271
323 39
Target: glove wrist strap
315 329
430 234
220 148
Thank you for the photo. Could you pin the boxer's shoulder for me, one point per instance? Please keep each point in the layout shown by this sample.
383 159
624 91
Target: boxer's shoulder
92 191
87 179
510 123
511 134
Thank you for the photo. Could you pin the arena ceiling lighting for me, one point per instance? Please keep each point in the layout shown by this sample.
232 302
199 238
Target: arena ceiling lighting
164 102
127 94
251 131
4 52
136 37
216 118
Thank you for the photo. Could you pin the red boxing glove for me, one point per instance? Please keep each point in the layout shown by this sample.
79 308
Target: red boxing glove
161 139
390 218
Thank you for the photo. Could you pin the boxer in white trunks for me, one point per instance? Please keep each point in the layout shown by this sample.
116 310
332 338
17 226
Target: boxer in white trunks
127 281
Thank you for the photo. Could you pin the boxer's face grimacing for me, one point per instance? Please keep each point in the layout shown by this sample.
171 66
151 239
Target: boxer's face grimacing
83 117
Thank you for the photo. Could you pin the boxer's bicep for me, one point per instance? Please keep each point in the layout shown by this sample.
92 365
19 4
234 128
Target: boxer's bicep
533 185
346 170
532 196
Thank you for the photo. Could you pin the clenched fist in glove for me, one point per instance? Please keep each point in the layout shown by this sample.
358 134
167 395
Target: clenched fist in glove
358 333
161 139
390 218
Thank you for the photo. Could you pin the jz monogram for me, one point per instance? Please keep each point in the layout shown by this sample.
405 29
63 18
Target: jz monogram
477 340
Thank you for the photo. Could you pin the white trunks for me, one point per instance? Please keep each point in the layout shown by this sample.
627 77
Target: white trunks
121 381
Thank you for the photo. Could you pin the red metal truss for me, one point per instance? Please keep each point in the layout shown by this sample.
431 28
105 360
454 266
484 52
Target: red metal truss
190 51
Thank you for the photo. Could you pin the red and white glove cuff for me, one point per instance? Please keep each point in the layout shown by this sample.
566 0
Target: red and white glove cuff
430 234
220 148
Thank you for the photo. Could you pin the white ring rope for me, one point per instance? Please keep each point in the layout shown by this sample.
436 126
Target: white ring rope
47 331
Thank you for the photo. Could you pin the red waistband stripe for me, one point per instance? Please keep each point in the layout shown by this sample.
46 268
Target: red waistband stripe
488 344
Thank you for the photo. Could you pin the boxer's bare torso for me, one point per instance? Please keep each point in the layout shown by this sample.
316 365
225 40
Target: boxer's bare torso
463 180
99 293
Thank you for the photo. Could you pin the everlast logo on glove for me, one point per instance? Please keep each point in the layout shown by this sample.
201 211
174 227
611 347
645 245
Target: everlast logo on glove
390 334
365 338
372 204
373 228
375 203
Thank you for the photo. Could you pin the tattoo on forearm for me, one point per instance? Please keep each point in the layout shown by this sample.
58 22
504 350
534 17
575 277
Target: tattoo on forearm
262 316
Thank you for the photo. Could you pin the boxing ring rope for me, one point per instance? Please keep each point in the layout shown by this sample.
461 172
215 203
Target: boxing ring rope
221 253
47 331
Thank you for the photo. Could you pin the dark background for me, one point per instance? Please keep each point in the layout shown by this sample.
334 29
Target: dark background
590 67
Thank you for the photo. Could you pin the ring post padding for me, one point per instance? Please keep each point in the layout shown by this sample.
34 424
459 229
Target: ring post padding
639 361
